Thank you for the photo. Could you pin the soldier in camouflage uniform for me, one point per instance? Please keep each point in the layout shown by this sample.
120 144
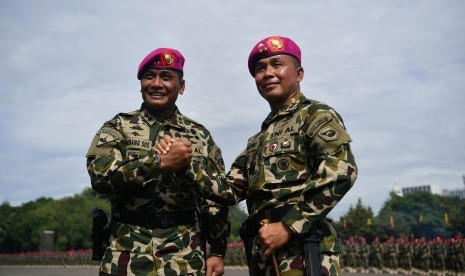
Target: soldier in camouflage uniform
293 171
155 222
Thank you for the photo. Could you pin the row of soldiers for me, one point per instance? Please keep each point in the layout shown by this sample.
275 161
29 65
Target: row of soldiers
439 256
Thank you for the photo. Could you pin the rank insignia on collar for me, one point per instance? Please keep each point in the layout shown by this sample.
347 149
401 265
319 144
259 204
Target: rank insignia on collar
273 147
285 144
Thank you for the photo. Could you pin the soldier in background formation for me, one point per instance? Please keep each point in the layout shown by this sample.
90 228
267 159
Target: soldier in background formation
438 256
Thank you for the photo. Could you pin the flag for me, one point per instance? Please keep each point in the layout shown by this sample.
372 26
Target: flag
420 219
369 222
391 222
345 223
446 219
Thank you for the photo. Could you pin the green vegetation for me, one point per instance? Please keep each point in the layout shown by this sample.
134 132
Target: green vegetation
70 218
416 215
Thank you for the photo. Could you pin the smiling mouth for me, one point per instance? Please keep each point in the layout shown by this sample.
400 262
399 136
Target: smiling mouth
269 85
155 94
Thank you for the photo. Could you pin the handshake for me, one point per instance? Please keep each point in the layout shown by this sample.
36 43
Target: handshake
175 153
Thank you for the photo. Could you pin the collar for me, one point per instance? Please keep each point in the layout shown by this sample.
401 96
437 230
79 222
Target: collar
288 108
177 120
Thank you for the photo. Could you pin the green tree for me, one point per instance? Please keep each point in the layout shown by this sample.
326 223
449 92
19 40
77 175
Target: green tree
357 221
236 216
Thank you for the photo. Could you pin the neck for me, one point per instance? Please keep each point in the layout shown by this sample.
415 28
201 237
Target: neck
162 114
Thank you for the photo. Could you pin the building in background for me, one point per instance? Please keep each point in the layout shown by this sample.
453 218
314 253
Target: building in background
436 190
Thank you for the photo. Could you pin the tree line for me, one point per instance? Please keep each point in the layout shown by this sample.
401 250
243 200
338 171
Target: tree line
415 215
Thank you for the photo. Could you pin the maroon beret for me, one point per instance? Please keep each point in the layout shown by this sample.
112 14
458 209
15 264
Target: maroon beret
161 58
271 46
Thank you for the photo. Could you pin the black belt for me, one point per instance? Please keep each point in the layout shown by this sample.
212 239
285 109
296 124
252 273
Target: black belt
273 215
150 219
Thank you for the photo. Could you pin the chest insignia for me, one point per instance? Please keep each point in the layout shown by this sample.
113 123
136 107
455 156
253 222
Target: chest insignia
285 144
273 147
283 164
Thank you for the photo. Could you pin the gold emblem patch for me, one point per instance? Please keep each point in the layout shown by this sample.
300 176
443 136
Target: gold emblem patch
168 58
277 44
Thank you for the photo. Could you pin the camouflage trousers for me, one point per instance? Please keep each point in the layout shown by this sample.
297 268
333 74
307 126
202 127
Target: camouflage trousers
290 261
141 251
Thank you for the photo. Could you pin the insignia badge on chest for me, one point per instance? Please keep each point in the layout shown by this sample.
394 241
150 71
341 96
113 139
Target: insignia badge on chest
273 147
283 164
328 133
285 144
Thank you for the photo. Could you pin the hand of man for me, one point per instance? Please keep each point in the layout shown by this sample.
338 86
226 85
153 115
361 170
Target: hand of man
273 236
163 146
215 266
175 154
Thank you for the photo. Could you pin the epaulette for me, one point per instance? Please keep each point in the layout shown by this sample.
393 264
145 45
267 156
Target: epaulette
185 118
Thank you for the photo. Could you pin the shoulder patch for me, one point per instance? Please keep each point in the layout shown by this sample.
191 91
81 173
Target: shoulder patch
317 123
329 133
103 141
107 135
331 136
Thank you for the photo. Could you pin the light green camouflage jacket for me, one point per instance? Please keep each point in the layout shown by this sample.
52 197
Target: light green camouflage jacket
301 156
120 163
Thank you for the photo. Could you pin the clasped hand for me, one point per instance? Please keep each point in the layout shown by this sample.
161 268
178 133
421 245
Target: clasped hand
175 153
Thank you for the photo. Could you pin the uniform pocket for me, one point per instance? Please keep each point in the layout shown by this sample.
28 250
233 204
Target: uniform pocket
284 160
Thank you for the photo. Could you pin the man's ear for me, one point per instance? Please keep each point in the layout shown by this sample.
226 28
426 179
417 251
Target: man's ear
183 86
300 74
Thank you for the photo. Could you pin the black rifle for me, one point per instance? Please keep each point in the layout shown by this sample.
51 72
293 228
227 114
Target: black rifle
100 233
312 254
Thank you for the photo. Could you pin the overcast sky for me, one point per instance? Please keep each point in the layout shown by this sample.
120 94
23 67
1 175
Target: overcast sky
394 70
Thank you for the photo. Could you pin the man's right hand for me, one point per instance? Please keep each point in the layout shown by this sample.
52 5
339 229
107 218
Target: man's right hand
176 155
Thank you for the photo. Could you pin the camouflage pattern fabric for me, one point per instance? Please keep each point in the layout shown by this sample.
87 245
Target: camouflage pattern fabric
302 157
120 162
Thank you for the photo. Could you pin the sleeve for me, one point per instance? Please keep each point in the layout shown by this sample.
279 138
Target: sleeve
111 172
219 227
225 189
333 171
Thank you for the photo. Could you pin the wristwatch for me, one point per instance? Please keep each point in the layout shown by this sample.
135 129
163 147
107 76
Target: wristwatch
157 160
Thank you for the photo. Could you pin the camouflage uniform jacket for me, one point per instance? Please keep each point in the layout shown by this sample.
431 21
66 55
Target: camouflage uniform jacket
121 164
302 157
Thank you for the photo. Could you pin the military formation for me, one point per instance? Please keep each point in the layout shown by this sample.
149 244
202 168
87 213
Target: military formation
438 256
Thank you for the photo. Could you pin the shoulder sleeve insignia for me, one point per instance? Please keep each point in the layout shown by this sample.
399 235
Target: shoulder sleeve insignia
106 136
329 133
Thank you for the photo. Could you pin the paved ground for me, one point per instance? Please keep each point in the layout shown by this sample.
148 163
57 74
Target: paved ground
76 271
